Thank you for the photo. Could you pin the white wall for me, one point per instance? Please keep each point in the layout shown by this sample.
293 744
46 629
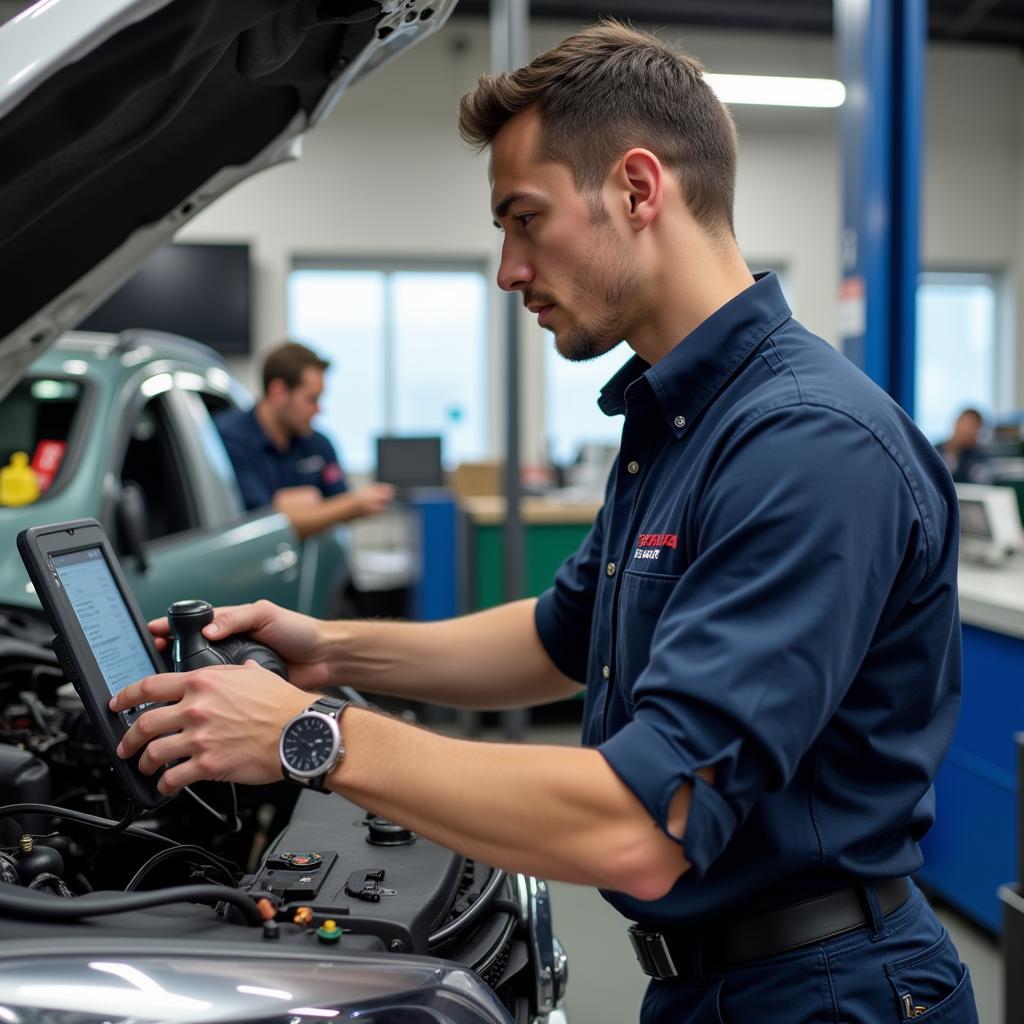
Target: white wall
388 176
973 215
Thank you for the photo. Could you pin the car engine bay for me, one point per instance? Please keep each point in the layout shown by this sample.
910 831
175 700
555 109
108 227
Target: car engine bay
266 871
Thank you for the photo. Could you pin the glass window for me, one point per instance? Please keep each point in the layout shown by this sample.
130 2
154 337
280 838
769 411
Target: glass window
153 466
957 349
407 347
571 391
214 474
37 417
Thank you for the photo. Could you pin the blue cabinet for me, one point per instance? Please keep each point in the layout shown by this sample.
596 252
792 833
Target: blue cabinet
971 849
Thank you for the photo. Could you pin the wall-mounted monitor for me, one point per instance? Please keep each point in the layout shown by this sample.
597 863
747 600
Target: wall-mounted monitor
200 291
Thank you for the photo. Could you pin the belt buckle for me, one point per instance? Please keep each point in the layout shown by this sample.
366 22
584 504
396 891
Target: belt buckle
653 953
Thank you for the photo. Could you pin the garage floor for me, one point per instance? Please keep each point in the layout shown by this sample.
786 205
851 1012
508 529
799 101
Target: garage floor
605 982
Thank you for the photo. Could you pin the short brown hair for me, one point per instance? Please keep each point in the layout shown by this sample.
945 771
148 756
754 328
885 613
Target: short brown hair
605 90
287 362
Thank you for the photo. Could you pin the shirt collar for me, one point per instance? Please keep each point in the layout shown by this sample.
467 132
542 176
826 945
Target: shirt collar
265 443
693 372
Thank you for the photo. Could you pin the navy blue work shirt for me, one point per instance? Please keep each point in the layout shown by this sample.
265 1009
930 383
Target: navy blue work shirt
262 469
770 590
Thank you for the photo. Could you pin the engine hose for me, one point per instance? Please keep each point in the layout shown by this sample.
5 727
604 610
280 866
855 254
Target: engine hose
107 824
482 902
8 870
52 883
39 906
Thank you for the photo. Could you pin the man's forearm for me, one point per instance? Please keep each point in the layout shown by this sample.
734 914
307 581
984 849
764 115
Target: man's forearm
492 659
309 518
558 812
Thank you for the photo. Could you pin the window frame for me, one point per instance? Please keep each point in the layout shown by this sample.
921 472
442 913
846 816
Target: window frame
167 419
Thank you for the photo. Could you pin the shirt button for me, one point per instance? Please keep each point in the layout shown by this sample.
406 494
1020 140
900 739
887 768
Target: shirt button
680 421
633 467
610 569
606 671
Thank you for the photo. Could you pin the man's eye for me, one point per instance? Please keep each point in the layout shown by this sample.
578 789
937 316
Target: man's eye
524 218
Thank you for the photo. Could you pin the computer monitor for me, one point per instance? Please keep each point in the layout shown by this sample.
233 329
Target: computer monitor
410 462
990 526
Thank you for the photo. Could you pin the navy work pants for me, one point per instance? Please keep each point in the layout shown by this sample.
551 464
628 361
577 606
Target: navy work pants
879 974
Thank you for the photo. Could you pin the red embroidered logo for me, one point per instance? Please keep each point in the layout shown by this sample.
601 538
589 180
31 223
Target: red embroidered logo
657 540
649 545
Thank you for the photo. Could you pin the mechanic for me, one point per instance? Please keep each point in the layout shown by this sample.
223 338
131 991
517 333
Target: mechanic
963 453
281 460
763 616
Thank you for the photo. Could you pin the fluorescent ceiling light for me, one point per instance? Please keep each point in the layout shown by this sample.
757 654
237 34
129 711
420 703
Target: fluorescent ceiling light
778 92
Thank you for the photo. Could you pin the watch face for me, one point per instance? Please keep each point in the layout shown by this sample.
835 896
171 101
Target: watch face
308 744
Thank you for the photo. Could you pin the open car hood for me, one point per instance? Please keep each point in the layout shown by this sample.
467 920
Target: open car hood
120 120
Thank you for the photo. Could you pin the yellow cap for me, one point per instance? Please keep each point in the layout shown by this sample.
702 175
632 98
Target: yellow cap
18 483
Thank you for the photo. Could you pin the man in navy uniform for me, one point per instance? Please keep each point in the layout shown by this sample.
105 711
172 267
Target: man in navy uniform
763 617
963 453
281 460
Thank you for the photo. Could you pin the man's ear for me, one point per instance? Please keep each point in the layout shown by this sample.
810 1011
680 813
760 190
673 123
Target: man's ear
641 182
277 389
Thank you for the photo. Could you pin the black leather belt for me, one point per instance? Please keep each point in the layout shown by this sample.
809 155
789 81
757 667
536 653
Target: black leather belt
682 954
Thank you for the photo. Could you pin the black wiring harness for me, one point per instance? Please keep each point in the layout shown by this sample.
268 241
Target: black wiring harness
40 906
228 871
36 903
92 820
476 910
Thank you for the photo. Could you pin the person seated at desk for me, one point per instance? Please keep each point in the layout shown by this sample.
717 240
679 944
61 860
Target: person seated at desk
962 453
281 460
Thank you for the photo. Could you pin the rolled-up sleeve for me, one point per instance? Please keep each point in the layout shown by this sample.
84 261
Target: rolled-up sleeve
803 529
565 611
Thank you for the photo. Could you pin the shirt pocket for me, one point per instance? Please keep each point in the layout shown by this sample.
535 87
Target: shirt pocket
642 600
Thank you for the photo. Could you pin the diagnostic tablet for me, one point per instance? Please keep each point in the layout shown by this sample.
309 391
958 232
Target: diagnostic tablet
101 640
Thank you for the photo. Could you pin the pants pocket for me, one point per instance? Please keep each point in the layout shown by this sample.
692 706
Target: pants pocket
719 1018
670 1003
933 985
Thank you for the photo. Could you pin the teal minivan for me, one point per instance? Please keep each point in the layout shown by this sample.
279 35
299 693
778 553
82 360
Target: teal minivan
120 428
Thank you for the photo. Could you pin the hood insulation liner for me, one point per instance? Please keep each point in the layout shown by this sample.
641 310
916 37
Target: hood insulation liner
122 137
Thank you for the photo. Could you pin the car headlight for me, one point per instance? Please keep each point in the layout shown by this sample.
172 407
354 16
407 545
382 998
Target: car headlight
272 988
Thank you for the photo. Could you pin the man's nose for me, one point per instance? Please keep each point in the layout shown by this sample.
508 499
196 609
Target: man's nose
514 272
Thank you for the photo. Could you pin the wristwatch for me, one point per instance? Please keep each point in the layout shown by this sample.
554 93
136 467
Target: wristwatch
311 745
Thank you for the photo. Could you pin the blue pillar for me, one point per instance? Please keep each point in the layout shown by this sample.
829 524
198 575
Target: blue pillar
881 57
435 593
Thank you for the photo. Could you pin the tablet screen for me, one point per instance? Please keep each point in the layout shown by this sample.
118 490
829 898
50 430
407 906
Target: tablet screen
105 619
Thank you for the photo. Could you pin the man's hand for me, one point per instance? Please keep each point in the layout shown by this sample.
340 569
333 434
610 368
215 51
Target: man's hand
225 723
374 499
298 639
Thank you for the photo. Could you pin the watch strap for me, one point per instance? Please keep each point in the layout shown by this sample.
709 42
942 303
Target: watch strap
333 707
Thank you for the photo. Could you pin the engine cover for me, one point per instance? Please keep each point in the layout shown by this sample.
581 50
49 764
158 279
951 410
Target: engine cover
371 876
